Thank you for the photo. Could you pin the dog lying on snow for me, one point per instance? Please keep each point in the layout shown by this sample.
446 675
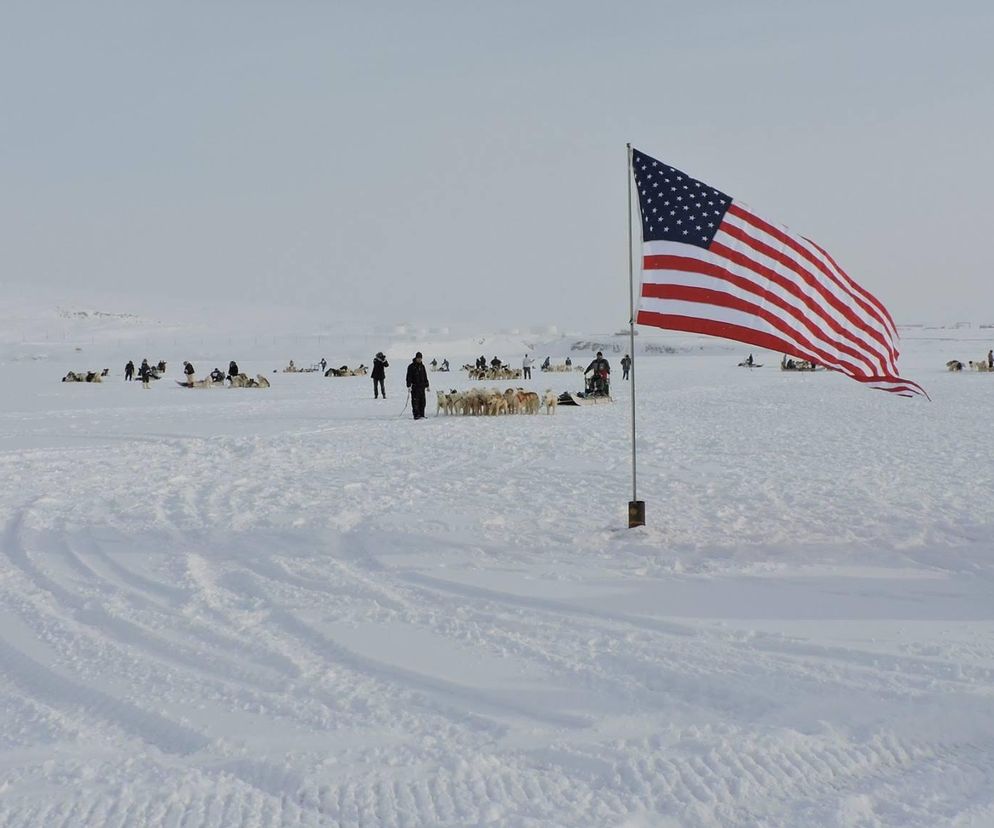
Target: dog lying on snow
344 371
954 365
86 376
245 381
979 365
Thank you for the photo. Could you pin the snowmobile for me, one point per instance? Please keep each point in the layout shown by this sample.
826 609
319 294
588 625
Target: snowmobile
594 393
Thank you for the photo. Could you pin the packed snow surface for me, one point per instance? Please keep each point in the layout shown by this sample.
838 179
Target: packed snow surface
297 606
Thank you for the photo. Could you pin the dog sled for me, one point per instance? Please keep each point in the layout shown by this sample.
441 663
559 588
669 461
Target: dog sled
593 394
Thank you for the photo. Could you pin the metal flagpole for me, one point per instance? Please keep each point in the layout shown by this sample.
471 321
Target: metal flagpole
636 507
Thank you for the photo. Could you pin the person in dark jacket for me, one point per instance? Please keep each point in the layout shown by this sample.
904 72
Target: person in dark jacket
144 373
232 369
379 375
626 364
129 371
602 371
189 372
417 382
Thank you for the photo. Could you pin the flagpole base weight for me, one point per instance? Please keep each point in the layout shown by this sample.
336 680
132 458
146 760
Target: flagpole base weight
636 513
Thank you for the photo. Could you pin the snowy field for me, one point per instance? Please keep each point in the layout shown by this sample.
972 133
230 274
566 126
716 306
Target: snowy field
296 606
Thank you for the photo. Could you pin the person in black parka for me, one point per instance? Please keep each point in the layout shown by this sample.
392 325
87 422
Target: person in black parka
417 381
379 375
602 373
129 371
232 369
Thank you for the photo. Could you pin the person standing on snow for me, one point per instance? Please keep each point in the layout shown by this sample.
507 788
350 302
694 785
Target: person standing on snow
232 369
990 359
626 364
417 382
129 371
144 373
379 375
188 370
526 366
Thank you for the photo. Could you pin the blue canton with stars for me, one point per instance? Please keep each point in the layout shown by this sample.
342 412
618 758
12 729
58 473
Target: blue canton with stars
674 206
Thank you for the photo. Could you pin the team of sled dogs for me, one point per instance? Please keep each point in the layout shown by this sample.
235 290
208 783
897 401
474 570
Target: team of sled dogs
502 373
86 376
492 401
237 381
345 371
976 365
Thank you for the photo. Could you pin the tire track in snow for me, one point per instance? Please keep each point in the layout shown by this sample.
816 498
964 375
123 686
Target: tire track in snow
747 778
59 692
88 614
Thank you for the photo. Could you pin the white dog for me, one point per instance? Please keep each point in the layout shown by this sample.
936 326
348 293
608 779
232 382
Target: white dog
551 401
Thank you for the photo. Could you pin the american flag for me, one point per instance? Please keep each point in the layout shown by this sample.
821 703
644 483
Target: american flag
712 266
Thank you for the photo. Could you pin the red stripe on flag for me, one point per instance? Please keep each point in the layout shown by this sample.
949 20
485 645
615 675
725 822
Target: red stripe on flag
866 350
883 349
855 285
779 235
718 298
759 339
814 324
693 324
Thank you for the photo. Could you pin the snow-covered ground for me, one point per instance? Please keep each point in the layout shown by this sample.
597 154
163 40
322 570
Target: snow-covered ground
296 606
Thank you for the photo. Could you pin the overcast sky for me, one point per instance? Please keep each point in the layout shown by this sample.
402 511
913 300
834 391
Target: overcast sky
450 162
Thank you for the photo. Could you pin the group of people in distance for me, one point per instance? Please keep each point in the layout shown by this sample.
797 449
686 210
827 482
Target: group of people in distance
217 375
416 379
146 372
